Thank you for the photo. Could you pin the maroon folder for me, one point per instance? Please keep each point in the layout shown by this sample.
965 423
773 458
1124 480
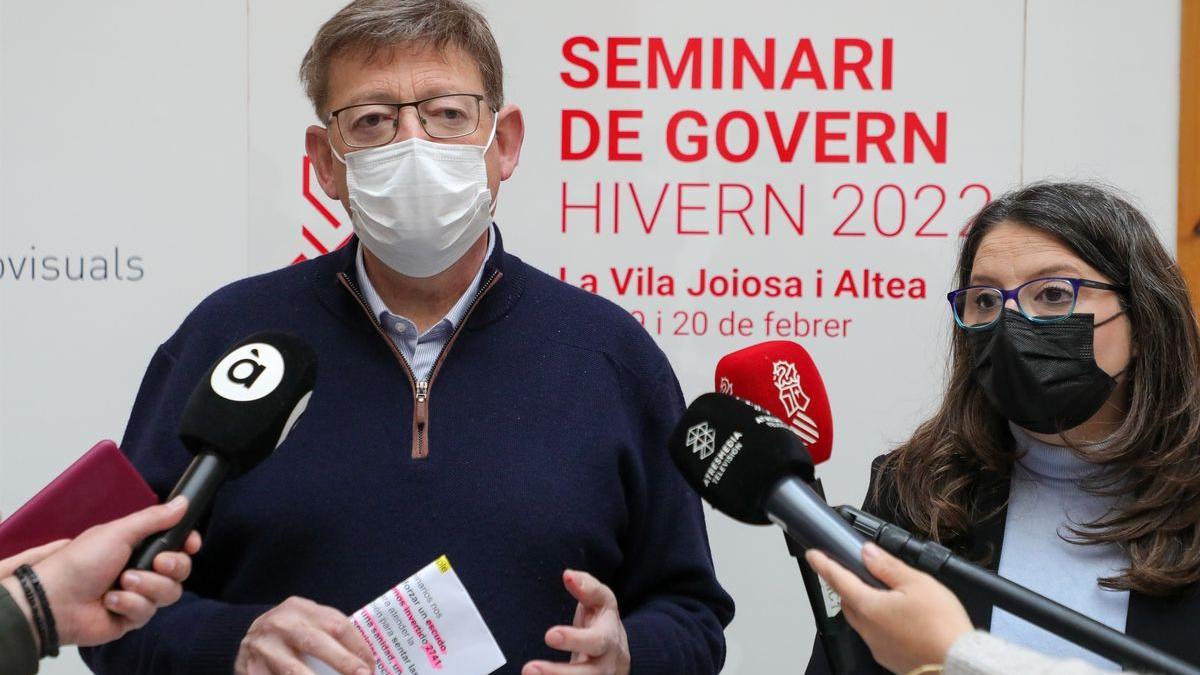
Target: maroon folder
99 487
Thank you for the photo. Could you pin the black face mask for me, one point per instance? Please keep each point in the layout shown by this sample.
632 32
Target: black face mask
1041 376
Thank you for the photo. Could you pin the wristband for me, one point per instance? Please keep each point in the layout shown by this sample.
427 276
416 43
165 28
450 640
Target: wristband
39 606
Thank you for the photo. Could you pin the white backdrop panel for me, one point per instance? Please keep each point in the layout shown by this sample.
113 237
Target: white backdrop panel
122 139
1093 104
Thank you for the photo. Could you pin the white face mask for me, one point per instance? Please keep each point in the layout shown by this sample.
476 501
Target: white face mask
419 205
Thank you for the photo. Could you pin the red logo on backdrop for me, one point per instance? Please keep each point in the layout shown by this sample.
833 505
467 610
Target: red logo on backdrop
319 239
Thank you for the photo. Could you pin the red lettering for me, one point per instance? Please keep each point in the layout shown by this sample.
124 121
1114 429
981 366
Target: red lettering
616 61
741 213
843 65
680 207
690 60
718 63
723 133
913 128
637 203
825 136
743 55
591 72
616 134
699 142
886 84
595 206
788 151
797 222
569 118
804 52
879 140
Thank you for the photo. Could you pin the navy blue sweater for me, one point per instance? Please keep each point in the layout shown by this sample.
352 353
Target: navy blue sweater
539 445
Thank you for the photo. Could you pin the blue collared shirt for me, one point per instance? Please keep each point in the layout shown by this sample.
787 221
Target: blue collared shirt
420 350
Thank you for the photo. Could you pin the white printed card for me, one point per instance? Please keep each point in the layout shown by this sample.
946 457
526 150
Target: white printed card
425 625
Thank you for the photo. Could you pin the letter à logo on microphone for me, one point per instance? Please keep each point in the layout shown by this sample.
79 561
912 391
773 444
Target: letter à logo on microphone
795 401
248 373
702 440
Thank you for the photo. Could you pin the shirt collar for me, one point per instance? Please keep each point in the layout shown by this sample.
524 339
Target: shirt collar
453 317
1051 461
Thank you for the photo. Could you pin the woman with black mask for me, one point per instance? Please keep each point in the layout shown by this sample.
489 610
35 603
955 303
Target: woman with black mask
1066 452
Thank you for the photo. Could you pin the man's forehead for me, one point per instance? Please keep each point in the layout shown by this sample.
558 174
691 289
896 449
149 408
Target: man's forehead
411 69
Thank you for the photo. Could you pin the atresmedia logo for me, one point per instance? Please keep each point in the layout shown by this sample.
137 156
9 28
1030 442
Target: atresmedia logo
39 266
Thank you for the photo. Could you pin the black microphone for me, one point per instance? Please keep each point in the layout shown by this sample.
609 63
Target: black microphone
243 408
781 377
751 466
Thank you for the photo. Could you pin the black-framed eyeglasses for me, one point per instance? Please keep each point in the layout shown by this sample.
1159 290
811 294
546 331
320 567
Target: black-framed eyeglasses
1044 300
368 125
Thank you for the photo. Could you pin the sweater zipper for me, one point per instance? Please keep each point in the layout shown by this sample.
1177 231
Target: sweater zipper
421 388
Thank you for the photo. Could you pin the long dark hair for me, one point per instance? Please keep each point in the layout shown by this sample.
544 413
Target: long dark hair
1152 461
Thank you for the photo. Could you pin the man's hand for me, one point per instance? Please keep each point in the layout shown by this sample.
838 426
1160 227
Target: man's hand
913 624
596 639
278 640
78 576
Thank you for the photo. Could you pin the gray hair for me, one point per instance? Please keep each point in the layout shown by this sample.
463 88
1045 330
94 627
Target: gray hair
371 25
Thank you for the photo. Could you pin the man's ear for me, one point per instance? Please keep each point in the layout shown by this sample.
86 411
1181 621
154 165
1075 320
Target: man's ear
316 143
510 132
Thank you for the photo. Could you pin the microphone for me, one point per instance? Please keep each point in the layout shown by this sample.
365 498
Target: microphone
940 562
751 466
244 407
780 377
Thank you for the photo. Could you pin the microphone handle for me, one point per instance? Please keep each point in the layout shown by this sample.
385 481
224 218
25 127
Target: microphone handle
199 484
835 634
806 517
939 561
1060 620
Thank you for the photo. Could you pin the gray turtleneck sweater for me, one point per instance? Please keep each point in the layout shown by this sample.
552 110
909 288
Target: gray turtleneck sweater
1044 500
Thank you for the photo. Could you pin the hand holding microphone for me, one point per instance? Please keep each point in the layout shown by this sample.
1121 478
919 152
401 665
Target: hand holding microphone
242 409
911 624
77 577
239 413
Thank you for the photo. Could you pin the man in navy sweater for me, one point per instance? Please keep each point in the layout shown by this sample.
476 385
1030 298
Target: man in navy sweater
467 404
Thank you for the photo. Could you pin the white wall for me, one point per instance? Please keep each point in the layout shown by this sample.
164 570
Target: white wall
127 124
122 124
1102 98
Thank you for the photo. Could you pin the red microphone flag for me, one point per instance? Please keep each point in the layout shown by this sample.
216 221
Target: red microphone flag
781 377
